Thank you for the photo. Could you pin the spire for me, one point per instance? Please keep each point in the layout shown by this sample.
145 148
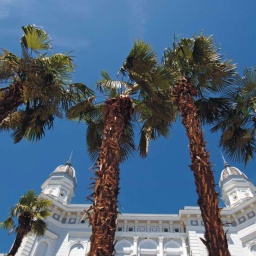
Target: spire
225 162
69 160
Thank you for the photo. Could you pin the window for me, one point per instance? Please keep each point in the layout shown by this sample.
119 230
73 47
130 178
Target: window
166 229
123 248
119 229
62 193
42 249
147 247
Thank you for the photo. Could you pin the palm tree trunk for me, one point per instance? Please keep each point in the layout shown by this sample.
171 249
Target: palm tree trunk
17 243
215 238
117 112
24 228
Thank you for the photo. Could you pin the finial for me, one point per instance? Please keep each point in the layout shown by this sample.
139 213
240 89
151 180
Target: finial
69 160
70 156
225 162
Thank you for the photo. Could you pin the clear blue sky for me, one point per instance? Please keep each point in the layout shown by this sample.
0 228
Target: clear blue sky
101 33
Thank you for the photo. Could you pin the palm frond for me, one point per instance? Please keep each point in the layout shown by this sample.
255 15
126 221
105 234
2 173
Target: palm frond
7 224
127 146
35 38
80 111
111 88
141 59
38 227
237 121
198 60
210 109
43 213
94 138
61 65
239 144
33 123
141 66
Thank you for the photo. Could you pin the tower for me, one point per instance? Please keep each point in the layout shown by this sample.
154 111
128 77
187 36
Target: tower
61 183
235 186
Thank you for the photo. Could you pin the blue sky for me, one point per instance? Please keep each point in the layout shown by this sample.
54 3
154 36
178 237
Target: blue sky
100 34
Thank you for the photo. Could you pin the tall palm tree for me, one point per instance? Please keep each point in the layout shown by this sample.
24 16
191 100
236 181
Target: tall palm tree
110 136
201 72
30 213
197 72
34 88
238 122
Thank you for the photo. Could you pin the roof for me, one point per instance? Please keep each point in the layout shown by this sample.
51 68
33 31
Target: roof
68 169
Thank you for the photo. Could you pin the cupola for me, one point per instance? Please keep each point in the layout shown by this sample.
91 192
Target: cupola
61 183
235 186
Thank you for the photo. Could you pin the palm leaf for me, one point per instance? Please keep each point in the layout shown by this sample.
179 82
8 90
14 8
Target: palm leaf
239 144
237 121
80 110
7 224
141 60
38 227
210 108
35 39
127 146
94 138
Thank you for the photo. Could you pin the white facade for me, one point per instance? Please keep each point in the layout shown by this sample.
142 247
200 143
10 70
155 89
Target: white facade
145 234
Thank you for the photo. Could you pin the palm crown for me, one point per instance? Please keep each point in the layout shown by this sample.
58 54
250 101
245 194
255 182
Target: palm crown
145 85
29 206
30 213
238 122
39 86
198 60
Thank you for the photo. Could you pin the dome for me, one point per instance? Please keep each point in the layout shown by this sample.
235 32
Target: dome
229 171
68 169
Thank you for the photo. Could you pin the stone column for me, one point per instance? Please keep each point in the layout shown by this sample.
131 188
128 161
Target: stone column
136 225
135 245
184 247
161 226
236 219
62 217
148 226
161 245
125 226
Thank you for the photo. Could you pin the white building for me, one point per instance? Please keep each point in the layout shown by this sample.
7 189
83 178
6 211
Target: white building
145 234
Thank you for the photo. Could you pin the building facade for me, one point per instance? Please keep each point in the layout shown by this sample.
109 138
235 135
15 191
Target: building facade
68 233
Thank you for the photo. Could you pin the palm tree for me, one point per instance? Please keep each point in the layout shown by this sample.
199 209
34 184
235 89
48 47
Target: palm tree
38 87
30 213
238 122
110 136
197 72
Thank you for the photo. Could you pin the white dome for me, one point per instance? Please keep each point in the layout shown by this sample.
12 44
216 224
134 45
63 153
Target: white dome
229 171
68 169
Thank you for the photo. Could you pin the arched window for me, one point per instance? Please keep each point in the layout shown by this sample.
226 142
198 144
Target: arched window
123 248
42 249
76 249
172 248
147 247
